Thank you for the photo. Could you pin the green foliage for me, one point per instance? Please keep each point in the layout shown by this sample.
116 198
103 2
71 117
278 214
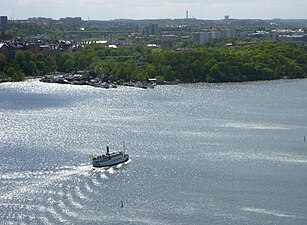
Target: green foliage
24 64
3 76
262 61
160 79
3 62
14 74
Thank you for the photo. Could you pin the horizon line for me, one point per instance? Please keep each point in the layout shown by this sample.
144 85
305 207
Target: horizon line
136 19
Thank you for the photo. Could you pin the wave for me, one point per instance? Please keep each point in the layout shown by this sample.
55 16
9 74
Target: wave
31 182
250 156
52 196
257 126
267 212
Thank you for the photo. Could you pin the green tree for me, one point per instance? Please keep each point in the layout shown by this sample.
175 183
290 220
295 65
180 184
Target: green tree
3 61
26 62
15 74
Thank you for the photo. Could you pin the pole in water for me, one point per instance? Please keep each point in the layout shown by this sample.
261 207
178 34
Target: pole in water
122 204
304 138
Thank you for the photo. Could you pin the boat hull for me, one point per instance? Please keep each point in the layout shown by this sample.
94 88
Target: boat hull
111 162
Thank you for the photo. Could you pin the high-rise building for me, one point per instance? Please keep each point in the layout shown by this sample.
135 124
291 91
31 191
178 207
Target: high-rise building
187 14
226 33
136 29
215 35
201 37
3 23
226 17
229 33
154 29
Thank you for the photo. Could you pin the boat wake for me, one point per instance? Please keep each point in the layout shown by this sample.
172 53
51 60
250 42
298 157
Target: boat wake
52 196
274 157
267 212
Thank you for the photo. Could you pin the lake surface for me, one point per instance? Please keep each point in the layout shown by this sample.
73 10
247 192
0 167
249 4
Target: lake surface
199 154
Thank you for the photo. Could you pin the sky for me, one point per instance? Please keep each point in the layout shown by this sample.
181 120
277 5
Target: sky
154 9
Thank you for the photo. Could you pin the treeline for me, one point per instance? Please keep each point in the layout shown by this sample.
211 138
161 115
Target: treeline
262 61
25 64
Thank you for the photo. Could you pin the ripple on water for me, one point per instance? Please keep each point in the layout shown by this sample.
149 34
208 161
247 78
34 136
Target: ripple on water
202 154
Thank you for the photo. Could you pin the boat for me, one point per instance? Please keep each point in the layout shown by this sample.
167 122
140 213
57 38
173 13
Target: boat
105 85
110 158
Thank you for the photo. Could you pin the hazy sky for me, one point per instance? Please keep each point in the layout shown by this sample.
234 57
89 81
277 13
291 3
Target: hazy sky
153 9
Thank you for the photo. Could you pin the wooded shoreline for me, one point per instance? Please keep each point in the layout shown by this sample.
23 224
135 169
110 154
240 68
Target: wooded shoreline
261 61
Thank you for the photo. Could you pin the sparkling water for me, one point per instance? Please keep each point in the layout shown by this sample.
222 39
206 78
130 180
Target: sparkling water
199 154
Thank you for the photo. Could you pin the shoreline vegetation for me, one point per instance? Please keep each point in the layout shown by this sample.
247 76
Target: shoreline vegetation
261 61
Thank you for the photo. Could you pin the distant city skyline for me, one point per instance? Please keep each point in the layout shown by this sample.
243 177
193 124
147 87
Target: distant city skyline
150 9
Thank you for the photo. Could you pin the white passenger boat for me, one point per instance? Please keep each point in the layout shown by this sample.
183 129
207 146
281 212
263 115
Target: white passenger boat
110 158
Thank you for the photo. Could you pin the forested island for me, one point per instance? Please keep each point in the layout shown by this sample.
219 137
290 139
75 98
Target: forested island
263 60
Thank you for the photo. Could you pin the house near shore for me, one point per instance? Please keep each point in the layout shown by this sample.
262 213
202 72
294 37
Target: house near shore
9 48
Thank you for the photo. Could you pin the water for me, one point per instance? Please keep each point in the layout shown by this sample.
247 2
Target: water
200 154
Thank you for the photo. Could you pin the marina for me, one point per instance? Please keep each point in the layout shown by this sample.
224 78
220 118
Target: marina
104 82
